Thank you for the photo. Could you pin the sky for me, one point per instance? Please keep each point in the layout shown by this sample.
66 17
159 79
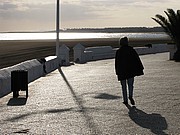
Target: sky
40 15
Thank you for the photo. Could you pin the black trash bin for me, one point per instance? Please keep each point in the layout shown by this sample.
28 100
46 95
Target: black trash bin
19 81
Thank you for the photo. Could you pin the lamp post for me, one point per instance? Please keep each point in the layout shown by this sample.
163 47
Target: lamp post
57 28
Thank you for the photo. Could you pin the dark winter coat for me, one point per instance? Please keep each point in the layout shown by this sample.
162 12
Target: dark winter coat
127 63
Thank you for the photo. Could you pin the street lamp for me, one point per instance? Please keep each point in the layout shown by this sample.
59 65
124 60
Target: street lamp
57 28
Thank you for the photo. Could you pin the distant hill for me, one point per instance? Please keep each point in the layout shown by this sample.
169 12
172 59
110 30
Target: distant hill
115 30
103 30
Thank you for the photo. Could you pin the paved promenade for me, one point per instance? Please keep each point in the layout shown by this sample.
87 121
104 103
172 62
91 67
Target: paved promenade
86 99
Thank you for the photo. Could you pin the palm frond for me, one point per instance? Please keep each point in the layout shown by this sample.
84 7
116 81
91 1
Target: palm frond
172 17
171 25
164 24
162 19
160 23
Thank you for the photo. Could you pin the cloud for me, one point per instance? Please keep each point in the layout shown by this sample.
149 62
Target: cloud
28 11
77 12
81 13
70 10
12 6
7 6
91 9
108 4
24 16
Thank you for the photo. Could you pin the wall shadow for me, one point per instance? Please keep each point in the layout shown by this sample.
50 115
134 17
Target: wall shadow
17 101
79 101
155 122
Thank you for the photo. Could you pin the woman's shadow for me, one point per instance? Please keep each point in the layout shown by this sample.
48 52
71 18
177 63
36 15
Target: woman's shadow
155 122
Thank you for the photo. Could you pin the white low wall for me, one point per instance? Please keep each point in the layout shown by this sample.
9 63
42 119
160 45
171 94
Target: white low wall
5 82
156 48
97 53
35 68
82 54
172 50
51 64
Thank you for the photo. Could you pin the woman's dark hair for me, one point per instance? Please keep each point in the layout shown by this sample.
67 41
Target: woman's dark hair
123 41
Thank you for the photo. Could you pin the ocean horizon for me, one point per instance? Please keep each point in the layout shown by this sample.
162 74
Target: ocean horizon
79 35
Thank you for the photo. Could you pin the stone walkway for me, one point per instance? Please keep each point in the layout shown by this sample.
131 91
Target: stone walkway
86 99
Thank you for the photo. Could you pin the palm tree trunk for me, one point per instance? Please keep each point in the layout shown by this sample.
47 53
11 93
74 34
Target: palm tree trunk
177 53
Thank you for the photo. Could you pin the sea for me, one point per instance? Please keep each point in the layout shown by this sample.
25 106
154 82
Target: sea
77 35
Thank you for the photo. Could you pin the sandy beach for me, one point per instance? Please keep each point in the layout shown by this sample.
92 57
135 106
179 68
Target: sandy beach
14 52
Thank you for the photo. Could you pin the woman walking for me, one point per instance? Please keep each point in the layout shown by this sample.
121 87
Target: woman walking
127 66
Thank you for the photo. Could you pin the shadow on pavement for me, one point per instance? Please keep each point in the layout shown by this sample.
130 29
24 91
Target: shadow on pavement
155 122
24 116
106 96
24 131
17 101
79 101
58 110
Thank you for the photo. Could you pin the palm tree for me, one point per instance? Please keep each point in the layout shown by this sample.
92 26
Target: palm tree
171 26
